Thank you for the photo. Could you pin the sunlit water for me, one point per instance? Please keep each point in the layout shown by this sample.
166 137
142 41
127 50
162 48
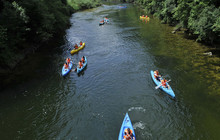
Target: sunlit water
92 105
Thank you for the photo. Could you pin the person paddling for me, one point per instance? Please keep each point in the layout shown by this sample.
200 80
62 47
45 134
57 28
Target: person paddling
80 43
164 83
75 46
66 66
80 64
83 59
156 75
128 134
68 60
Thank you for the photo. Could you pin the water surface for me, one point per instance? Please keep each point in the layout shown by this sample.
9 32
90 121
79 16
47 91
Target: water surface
44 105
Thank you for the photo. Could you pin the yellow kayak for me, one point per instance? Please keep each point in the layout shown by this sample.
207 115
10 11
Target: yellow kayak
147 18
76 50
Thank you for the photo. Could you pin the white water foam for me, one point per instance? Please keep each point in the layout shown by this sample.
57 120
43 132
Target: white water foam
140 125
137 108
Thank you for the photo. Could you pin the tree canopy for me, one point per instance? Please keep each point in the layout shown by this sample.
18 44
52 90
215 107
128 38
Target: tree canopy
200 17
25 23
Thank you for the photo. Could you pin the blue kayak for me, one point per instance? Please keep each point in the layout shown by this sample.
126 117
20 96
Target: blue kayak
106 21
66 71
167 90
126 124
84 65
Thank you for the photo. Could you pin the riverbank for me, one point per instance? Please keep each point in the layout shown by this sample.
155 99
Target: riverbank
198 19
117 80
34 25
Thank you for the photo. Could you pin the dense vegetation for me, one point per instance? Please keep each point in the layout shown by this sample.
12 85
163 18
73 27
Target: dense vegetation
201 18
28 24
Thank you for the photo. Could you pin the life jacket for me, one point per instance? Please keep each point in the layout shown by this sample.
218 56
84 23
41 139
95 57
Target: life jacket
68 60
128 137
163 82
80 64
66 66
80 43
156 74
82 59
76 46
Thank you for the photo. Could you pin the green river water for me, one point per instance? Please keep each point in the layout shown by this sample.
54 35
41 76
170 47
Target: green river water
38 103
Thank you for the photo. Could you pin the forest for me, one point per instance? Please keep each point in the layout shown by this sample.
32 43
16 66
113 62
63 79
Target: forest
27 24
199 18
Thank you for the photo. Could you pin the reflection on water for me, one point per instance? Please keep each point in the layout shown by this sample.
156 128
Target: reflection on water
92 105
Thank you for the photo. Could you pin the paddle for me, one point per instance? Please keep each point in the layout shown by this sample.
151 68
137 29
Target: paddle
161 84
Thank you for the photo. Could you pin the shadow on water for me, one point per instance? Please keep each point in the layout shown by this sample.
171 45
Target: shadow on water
44 105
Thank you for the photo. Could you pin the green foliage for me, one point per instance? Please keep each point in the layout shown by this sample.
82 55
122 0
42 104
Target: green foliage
27 23
200 17
83 4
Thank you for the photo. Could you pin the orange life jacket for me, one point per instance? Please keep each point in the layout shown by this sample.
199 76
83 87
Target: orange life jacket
80 64
82 60
128 137
80 43
156 74
66 66
163 82
68 60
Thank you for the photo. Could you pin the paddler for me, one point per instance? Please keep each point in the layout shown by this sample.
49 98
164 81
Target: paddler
163 82
68 60
66 66
75 46
80 43
128 134
156 75
83 59
80 64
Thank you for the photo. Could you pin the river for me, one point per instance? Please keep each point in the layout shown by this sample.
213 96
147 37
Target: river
41 104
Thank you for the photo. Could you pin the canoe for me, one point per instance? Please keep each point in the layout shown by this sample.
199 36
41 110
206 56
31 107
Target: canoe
84 65
168 91
148 18
79 48
66 71
125 124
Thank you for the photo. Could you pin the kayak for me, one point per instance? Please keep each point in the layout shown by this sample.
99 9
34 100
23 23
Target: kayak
146 18
168 91
125 124
122 7
84 65
79 48
106 21
66 71
101 23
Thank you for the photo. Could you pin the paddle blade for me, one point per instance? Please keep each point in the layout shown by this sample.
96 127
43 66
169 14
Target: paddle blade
161 84
158 86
